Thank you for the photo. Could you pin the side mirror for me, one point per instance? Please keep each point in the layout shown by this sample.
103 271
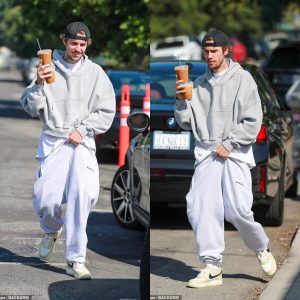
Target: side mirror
138 121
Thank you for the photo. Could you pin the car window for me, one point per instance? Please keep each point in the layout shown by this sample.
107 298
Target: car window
163 87
136 81
165 45
281 58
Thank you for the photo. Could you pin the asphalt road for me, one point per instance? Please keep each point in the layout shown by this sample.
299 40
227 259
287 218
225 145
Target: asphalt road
114 253
174 258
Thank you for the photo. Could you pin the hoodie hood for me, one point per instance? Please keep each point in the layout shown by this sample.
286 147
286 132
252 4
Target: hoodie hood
232 69
58 57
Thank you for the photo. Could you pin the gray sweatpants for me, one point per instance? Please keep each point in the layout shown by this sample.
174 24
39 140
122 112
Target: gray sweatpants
69 175
222 189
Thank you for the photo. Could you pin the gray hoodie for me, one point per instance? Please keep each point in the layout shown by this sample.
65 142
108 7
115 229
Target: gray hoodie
225 112
83 99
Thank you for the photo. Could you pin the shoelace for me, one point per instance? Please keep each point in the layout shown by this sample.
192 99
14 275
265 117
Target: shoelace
48 240
264 257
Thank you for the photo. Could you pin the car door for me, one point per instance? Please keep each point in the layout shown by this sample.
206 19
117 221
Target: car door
141 162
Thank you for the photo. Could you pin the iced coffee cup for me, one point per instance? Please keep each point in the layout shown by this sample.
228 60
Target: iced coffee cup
45 56
182 72
188 86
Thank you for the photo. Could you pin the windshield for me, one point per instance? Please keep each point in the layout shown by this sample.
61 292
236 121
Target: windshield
136 81
163 86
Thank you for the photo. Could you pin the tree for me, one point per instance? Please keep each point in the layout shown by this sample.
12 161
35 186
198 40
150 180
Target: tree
120 32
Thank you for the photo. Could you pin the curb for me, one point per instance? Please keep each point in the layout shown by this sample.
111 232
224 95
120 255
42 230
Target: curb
282 281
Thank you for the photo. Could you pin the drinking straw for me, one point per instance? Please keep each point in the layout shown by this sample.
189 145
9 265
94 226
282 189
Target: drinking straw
38 43
178 56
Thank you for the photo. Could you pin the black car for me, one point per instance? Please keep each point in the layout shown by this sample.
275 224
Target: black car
283 69
137 81
172 158
130 198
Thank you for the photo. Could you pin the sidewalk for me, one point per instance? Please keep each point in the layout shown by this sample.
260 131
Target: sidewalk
286 282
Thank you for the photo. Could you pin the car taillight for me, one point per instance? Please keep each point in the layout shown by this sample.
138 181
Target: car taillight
262 135
262 182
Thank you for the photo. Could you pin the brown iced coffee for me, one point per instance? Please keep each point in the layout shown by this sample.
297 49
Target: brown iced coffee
188 86
45 56
182 72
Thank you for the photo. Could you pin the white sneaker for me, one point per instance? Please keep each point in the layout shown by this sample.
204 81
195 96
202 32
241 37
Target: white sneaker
267 262
47 244
78 270
210 276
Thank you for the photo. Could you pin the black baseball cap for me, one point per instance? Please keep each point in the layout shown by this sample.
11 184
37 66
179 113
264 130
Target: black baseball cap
219 38
78 31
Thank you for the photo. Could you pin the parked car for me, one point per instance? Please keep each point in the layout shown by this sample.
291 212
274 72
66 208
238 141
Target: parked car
186 47
28 69
130 198
137 81
172 161
283 69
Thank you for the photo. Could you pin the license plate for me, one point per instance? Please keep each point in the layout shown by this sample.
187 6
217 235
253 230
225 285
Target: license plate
171 140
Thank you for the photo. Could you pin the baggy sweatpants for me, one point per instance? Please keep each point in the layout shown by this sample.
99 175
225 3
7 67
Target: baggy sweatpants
69 175
222 189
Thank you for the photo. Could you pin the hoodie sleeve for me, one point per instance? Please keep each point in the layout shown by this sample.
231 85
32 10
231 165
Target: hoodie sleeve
33 99
182 114
103 108
250 117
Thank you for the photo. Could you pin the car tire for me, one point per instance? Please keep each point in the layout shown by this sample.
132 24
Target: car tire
145 268
121 198
275 212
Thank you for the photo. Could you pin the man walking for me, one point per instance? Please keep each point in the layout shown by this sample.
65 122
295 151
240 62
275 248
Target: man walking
225 116
73 109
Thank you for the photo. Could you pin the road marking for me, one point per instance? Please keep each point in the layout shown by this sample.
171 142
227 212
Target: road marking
101 210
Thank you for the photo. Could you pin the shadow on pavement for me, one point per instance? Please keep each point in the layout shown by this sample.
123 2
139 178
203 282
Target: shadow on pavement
12 109
107 238
21 82
178 270
106 289
35 262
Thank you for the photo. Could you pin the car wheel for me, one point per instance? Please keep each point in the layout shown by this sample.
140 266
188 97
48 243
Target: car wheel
145 268
121 197
274 214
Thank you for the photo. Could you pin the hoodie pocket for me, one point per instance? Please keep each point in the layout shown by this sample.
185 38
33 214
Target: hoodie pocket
67 113
217 124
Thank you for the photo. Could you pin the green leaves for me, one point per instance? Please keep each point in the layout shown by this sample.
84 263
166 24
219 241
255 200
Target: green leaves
119 30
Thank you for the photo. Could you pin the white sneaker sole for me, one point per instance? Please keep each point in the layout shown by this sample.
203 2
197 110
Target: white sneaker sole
205 284
72 273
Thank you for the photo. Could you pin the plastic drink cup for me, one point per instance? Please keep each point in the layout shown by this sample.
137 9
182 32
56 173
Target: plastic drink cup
182 72
188 86
45 56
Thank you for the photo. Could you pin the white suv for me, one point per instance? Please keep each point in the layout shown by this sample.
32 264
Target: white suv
187 48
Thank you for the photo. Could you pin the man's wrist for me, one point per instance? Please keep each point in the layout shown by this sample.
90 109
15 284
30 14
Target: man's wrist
39 82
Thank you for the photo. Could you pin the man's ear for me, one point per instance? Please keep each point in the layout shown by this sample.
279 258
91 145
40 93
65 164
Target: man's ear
65 41
225 50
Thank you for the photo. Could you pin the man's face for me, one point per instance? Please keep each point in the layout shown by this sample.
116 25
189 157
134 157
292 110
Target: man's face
214 56
75 49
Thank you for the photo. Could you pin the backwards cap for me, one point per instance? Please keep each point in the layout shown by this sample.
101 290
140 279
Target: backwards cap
219 38
77 31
